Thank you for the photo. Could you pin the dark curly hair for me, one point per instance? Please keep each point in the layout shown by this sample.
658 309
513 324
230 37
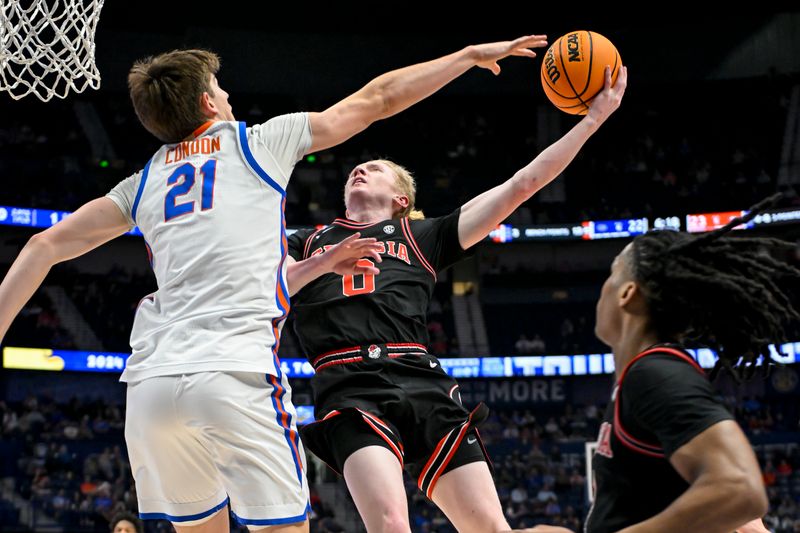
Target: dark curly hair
130 517
730 293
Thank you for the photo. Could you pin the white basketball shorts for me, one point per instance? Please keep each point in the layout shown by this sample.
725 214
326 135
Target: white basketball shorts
197 442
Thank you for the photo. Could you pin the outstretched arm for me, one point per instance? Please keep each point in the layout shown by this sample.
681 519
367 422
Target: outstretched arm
483 213
343 259
95 223
399 89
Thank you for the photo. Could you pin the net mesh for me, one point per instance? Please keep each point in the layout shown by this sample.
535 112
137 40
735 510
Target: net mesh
47 47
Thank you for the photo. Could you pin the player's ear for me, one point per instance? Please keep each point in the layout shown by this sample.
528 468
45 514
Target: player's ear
207 106
402 200
631 298
626 293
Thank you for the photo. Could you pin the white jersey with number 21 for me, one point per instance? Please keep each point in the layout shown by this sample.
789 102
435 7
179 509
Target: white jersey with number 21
211 211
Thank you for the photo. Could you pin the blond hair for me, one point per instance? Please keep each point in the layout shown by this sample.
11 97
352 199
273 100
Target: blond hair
166 91
408 187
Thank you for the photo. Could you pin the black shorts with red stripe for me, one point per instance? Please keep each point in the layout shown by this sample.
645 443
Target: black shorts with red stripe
384 395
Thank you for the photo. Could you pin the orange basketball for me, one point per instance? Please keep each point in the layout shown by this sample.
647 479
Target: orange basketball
573 67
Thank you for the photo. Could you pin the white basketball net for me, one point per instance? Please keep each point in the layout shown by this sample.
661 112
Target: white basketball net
47 47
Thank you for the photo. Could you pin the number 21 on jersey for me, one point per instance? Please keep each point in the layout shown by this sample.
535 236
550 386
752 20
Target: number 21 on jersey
182 181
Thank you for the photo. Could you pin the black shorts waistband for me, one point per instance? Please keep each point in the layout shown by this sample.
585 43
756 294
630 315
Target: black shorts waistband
357 354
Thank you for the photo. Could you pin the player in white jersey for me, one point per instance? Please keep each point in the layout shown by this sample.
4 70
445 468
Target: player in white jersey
210 421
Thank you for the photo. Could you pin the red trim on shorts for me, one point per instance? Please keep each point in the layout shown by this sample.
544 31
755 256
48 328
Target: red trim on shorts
382 424
372 420
343 351
354 354
485 451
407 345
433 456
450 392
427 485
453 449
339 362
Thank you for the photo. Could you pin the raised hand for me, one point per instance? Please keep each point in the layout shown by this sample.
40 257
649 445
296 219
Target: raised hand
608 100
344 257
487 55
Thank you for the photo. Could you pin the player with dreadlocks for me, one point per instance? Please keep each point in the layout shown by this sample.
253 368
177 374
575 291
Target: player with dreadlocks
670 457
717 290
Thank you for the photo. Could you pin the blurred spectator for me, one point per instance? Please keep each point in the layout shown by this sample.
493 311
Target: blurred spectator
125 523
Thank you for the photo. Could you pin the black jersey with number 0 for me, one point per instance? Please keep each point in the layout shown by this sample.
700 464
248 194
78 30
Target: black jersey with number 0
661 401
334 312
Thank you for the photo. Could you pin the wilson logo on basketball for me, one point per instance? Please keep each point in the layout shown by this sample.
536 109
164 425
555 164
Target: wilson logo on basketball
573 48
550 66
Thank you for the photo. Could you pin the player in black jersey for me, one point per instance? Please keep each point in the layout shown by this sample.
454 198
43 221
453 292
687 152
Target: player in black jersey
382 402
670 457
